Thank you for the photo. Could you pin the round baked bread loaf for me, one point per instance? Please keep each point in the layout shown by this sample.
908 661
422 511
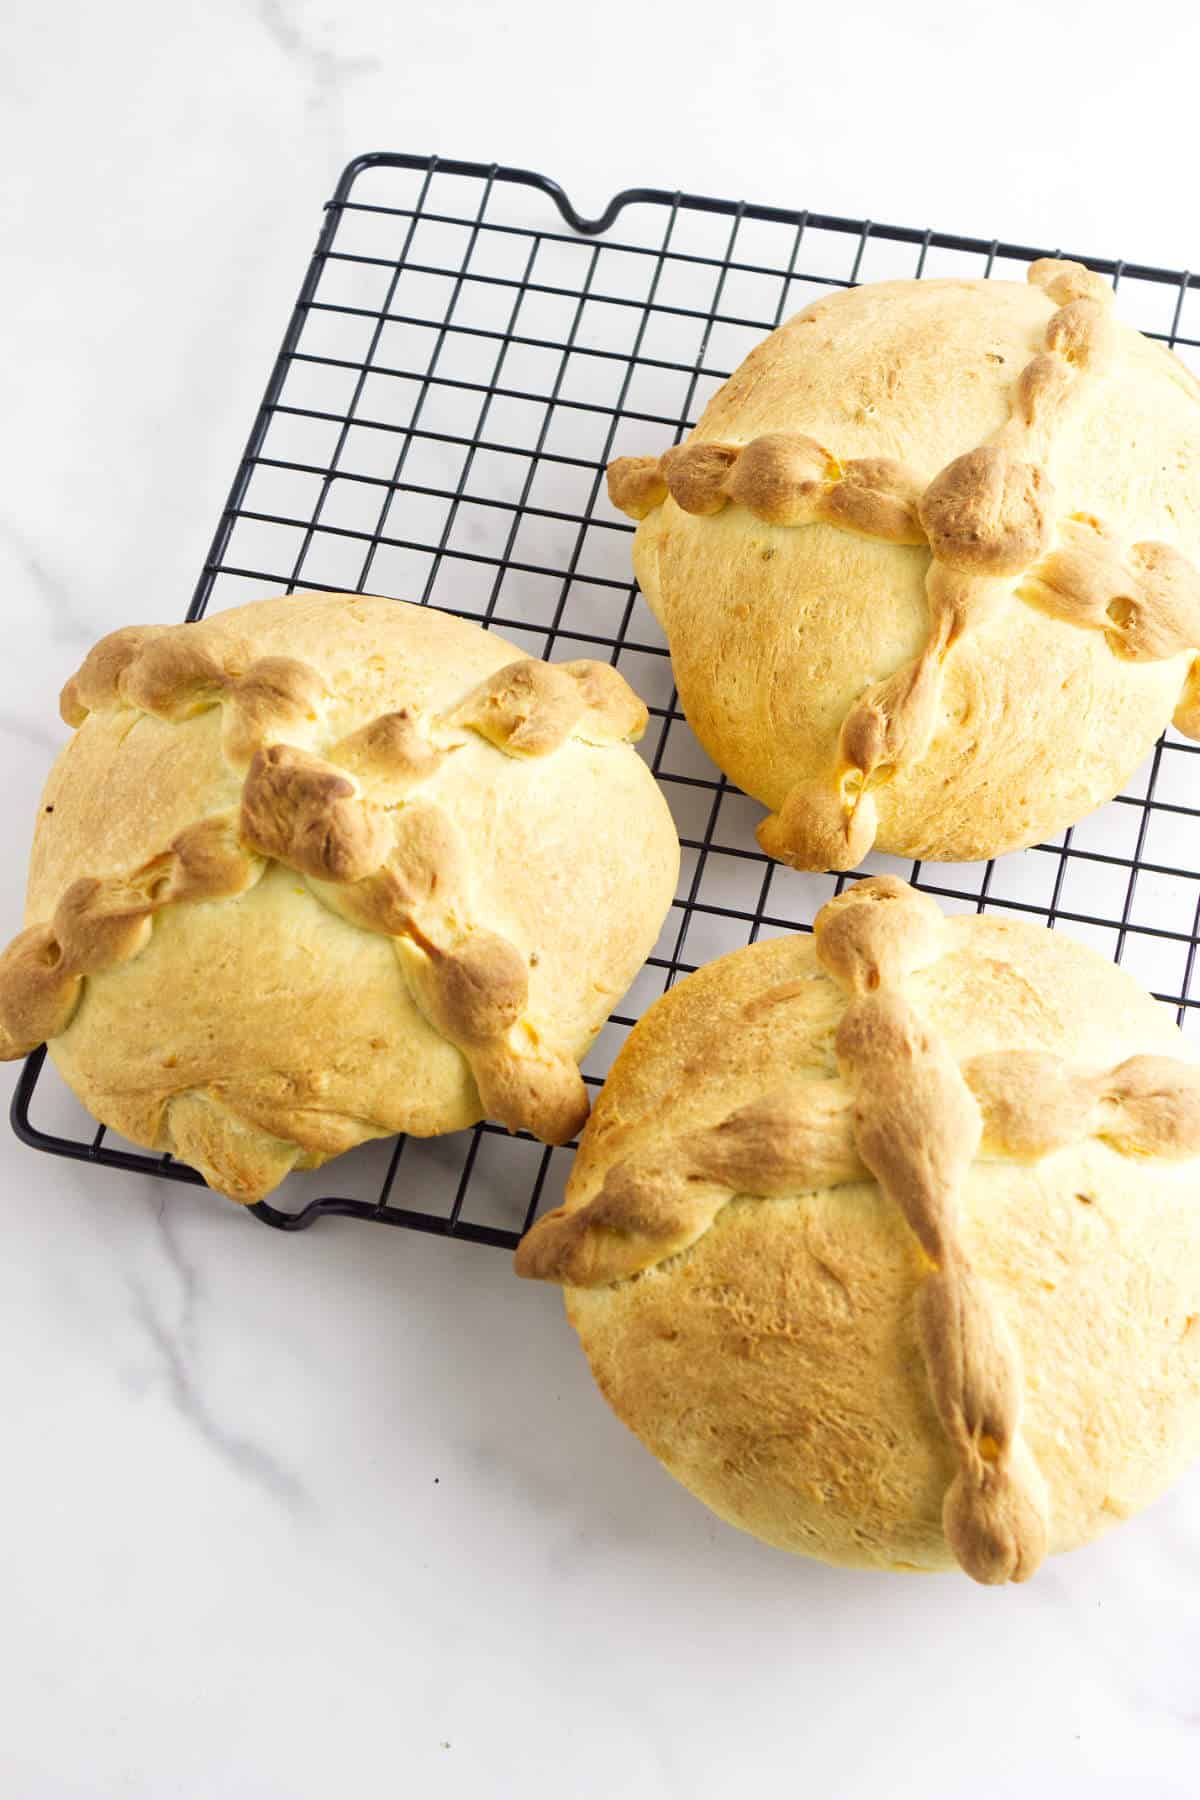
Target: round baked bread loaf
887 1240
927 565
329 867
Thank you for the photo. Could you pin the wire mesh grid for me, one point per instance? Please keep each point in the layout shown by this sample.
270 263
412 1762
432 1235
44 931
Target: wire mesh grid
465 356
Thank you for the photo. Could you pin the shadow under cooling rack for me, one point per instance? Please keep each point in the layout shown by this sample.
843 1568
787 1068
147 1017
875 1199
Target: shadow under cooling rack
466 354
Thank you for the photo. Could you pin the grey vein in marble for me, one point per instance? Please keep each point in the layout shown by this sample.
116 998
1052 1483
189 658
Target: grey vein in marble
327 70
48 742
175 1351
67 624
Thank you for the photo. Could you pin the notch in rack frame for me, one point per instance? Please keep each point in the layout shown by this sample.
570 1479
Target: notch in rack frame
466 354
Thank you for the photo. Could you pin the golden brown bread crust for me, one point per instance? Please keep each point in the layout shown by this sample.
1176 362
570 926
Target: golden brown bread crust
987 513
300 810
390 751
530 708
994 1080
100 923
868 677
783 478
1145 600
250 1037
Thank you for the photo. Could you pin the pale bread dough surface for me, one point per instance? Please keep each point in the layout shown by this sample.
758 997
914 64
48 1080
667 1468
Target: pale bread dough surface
775 631
774 1367
294 1029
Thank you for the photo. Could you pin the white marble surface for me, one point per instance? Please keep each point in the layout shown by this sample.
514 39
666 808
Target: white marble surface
342 1514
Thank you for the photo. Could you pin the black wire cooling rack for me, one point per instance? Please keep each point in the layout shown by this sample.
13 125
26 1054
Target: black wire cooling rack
465 356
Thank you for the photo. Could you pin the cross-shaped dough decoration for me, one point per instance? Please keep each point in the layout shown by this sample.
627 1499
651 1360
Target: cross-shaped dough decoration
348 819
904 1112
991 525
